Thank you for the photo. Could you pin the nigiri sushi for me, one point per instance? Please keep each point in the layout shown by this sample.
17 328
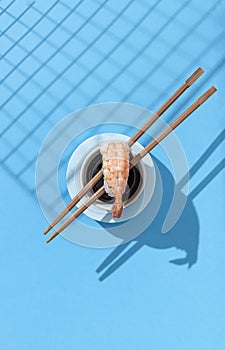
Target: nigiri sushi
115 164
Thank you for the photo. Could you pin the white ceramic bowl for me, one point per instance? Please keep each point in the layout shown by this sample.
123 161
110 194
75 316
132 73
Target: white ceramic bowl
100 210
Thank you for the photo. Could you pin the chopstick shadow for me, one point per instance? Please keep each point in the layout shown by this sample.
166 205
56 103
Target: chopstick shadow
184 235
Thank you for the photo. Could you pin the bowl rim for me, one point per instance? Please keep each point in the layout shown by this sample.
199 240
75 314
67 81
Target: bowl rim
73 173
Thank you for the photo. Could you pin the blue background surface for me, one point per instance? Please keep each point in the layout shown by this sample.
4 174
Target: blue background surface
55 58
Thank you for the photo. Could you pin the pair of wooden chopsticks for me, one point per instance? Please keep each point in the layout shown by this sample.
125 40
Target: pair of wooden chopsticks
139 156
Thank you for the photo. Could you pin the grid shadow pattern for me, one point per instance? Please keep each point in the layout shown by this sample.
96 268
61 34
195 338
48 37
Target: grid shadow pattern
59 56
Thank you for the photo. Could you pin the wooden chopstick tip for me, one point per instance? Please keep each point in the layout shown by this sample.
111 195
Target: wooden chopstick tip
213 88
195 76
47 230
207 94
49 239
199 71
56 233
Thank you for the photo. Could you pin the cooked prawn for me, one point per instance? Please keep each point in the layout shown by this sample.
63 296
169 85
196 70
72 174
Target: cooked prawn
115 163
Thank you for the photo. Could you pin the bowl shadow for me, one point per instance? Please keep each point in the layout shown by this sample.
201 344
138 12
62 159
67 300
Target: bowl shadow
184 235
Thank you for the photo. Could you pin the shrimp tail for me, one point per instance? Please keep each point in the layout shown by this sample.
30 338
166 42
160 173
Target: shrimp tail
117 207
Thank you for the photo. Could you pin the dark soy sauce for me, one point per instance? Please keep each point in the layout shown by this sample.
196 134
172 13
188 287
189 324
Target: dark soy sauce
95 166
